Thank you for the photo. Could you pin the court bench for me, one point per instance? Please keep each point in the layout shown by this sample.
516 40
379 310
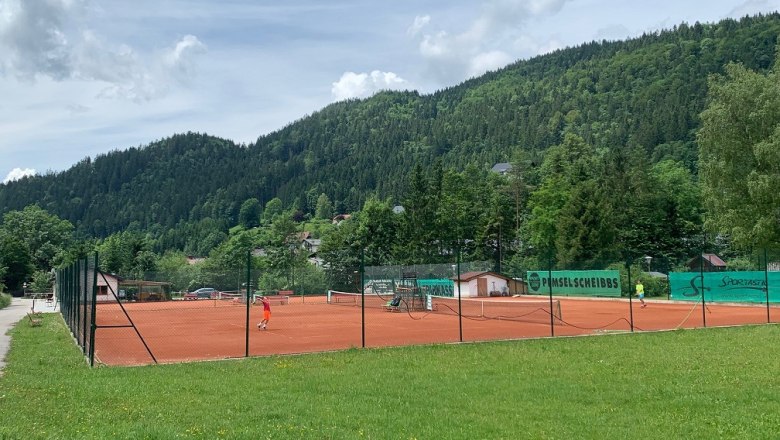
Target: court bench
391 308
35 319
393 305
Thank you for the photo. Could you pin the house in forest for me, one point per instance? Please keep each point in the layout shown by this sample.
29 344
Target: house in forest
706 263
340 218
311 245
502 168
192 260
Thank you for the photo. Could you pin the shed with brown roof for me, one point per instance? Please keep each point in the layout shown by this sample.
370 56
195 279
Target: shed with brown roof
706 263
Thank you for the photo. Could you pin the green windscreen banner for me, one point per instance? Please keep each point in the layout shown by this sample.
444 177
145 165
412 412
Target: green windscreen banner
748 287
574 282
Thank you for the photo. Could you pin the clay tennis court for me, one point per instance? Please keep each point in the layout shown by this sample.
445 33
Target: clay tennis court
180 331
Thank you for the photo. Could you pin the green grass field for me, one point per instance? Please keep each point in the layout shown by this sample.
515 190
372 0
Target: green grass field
692 384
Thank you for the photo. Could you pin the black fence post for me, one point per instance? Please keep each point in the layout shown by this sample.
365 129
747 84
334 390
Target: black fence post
93 322
630 297
766 286
703 300
363 296
460 309
248 294
83 306
550 295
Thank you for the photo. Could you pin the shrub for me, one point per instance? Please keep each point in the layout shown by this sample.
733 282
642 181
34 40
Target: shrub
5 300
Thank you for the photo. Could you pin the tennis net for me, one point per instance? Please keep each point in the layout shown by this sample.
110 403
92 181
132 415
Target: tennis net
509 310
232 297
373 300
517 310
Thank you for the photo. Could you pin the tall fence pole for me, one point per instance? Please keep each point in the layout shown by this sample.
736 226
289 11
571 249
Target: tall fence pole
550 295
630 298
363 296
703 303
83 306
766 286
248 294
460 310
93 306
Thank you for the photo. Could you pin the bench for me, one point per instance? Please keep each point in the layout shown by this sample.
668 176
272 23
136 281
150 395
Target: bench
35 319
391 308
393 305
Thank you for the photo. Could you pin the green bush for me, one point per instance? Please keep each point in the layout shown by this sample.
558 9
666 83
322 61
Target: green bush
5 300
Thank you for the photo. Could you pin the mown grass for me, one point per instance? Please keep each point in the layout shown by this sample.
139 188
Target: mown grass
693 384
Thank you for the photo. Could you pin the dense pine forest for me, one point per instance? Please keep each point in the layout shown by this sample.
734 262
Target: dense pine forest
603 140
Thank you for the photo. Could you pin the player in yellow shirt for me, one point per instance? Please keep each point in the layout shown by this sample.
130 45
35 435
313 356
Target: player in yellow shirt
640 292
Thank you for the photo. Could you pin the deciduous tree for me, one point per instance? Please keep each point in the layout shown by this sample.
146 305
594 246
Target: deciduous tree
739 155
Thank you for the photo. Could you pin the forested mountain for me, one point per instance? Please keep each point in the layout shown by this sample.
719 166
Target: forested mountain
644 93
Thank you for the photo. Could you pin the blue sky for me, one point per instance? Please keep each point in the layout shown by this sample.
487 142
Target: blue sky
83 77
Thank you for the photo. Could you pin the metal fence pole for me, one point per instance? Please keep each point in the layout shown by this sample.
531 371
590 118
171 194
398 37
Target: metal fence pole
703 303
630 297
93 321
460 310
766 286
248 293
363 296
550 295
82 307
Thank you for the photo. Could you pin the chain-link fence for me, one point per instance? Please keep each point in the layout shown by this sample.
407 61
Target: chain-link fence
176 316
76 287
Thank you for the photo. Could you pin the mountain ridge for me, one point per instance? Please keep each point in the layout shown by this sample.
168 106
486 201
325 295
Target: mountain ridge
646 92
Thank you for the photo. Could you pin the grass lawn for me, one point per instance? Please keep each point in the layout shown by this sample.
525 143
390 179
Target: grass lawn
691 384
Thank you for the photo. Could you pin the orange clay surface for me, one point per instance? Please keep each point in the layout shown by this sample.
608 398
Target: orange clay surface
179 331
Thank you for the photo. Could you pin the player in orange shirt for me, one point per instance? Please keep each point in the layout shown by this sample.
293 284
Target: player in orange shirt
266 313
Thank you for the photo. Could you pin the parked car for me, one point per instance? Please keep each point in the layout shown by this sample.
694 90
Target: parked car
202 293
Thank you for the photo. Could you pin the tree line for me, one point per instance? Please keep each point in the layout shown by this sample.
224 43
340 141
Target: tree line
616 150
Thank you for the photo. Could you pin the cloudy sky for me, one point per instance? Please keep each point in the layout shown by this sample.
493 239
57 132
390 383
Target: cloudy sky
83 77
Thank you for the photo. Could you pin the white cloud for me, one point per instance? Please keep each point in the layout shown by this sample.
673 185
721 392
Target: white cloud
486 61
47 38
453 57
613 32
180 60
33 36
18 173
550 46
420 22
750 7
363 85
436 46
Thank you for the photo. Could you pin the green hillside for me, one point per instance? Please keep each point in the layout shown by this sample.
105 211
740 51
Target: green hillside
641 94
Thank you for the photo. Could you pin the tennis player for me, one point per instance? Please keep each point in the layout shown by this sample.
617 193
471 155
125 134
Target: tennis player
640 292
266 313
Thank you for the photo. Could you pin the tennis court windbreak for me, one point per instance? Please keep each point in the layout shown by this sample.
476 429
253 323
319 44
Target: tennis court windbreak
575 282
748 287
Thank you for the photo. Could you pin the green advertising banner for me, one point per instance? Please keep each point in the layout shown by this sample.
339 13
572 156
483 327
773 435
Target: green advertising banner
574 282
725 286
